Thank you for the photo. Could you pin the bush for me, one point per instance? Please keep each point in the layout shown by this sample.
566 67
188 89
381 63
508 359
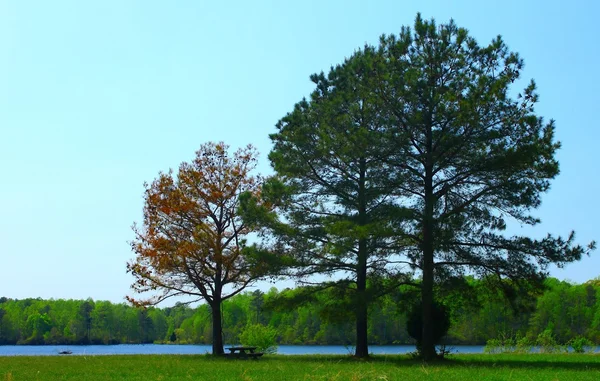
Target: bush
493 346
414 324
505 343
524 344
260 336
547 342
509 344
581 344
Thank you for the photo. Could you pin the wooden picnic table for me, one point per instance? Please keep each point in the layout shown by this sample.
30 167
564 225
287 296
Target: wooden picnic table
243 352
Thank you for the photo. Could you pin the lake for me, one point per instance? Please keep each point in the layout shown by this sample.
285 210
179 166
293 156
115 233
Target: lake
157 349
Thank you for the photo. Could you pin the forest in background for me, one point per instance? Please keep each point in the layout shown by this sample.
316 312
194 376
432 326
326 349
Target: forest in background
566 310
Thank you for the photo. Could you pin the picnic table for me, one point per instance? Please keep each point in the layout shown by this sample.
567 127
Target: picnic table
243 352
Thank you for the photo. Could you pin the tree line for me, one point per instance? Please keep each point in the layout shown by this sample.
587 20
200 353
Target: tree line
568 311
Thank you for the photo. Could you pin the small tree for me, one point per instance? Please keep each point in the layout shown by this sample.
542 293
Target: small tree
260 336
192 241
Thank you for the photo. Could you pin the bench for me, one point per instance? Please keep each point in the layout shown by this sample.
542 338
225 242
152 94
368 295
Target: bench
243 353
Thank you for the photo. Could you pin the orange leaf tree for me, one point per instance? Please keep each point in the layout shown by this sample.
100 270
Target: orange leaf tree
192 241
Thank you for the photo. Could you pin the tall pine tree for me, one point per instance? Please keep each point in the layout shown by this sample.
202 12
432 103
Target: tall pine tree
471 158
334 191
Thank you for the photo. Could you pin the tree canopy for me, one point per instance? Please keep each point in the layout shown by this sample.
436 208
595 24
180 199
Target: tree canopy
192 241
472 158
334 191
415 152
411 158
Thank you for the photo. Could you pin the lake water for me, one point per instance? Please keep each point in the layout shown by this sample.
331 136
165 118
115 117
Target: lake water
157 349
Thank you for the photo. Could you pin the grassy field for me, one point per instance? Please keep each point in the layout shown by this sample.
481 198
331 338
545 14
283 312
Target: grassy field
193 367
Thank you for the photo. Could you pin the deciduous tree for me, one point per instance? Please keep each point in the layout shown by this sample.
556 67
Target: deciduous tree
192 241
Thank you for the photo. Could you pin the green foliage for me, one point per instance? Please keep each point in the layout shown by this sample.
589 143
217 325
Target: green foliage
260 336
509 344
414 324
581 344
471 158
523 344
494 346
303 316
336 212
547 343
413 152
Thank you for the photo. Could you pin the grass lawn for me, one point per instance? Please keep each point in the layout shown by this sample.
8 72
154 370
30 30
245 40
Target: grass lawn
200 367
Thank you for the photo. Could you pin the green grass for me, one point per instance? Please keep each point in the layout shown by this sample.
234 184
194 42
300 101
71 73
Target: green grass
198 367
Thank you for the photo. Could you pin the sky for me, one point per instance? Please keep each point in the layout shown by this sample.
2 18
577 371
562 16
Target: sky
97 97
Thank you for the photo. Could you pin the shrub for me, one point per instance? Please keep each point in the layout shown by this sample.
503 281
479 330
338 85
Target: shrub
581 344
414 324
505 343
547 342
524 344
260 336
509 344
493 346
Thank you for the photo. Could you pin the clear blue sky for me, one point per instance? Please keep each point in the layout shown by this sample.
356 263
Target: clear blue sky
97 97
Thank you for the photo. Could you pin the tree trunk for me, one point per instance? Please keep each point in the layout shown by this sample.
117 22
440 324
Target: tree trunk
362 346
428 345
217 328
